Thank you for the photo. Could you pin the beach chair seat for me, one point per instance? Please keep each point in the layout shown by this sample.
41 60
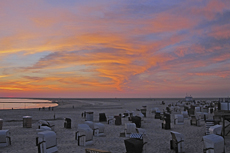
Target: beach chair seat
213 144
195 120
84 135
179 119
208 124
216 129
177 142
46 142
5 139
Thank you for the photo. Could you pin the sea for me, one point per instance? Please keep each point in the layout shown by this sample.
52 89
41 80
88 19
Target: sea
29 103
20 103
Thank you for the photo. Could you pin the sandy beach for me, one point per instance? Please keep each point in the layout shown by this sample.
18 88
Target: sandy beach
158 139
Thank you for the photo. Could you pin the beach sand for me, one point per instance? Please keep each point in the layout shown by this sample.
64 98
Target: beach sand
158 139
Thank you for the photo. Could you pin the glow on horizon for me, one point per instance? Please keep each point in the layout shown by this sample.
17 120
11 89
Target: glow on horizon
114 48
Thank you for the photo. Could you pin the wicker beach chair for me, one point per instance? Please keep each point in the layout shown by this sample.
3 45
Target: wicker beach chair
177 142
67 123
213 144
179 119
185 114
46 142
102 117
129 129
195 120
84 135
5 139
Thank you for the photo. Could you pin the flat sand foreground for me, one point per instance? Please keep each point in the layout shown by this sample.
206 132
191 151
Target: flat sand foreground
158 139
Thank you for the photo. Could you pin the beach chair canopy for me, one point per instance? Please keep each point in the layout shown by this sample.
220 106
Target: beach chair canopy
90 124
216 129
177 136
213 143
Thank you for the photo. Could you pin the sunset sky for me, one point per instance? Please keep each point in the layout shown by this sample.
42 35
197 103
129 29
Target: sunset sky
114 48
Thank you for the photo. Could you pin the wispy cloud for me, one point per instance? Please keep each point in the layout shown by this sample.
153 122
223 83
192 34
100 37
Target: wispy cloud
116 48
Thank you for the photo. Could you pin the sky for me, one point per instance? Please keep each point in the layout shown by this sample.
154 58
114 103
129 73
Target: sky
115 48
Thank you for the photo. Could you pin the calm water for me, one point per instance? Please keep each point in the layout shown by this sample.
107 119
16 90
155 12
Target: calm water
25 103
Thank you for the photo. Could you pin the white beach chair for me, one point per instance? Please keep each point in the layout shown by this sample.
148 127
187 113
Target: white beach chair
197 109
129 129
5 139
213 144
216 129
46 142
99 129
84 135
177 142
89 116
185 114
179 119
